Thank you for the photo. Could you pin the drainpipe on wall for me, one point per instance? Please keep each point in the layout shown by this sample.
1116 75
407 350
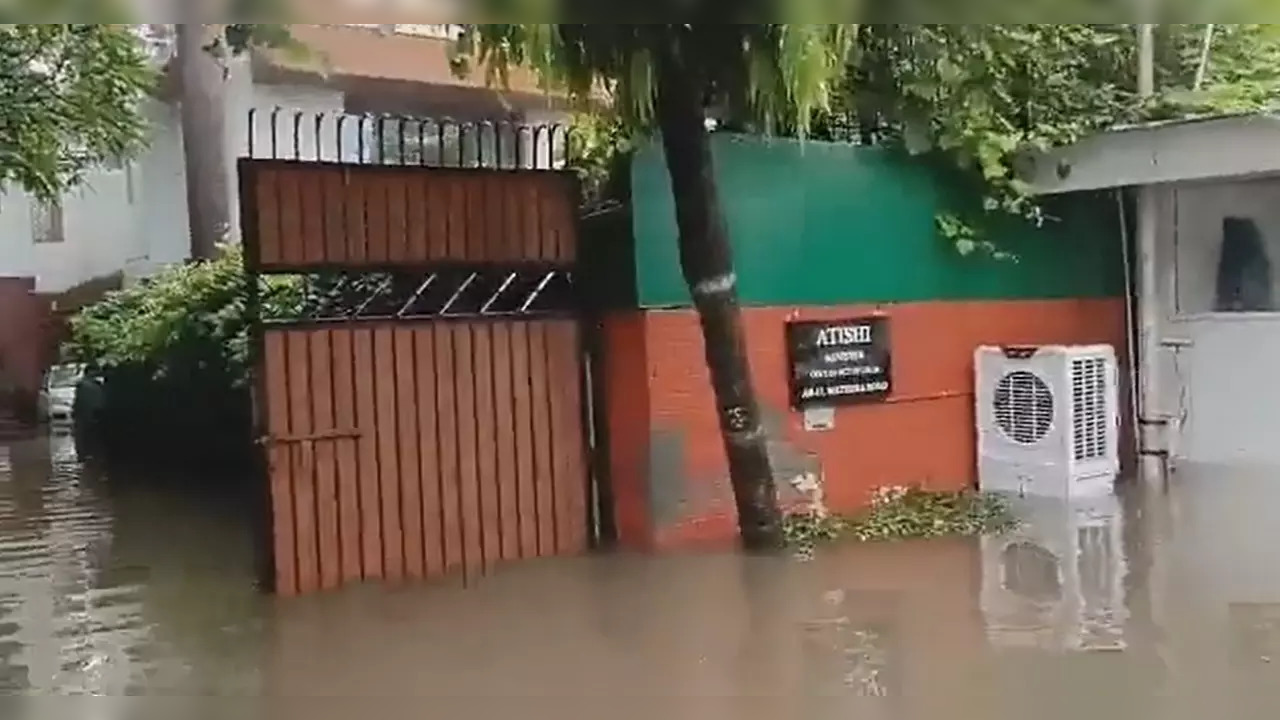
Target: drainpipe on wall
1151 429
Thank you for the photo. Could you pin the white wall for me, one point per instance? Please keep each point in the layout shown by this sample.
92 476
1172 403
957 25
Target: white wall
1228 383
99 222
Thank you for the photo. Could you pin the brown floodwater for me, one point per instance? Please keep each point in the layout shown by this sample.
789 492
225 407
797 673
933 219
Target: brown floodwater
142 601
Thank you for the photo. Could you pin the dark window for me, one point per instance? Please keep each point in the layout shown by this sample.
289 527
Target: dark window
1244 270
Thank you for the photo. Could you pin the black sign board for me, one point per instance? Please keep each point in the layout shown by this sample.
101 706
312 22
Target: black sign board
839 362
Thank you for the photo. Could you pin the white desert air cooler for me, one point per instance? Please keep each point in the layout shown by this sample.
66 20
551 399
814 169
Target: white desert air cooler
1048 420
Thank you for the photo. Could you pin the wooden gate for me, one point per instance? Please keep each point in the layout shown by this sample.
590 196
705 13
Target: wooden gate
422 408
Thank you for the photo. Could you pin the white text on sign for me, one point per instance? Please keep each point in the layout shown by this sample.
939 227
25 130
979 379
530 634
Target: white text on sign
844 335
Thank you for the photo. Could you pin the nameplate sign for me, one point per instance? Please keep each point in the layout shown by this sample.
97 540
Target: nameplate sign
839 362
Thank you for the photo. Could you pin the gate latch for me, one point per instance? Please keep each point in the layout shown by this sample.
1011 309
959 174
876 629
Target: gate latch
306 444
339 434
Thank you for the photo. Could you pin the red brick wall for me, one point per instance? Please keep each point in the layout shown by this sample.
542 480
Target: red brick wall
629 414
24 319
668 466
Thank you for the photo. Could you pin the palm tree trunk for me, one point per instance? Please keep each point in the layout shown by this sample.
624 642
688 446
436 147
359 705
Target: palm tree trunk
203 141
706 259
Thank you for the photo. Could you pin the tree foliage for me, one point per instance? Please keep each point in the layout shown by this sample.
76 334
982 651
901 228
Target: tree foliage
70 97
173 355
185 320
1241 75
71 94
981 95
984 95
777 73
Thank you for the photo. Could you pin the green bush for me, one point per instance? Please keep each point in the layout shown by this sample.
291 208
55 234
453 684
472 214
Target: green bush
906 514
172 353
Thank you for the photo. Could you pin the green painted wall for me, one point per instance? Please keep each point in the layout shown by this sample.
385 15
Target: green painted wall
830 224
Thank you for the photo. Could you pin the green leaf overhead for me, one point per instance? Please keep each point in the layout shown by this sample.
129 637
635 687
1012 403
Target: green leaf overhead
778 74
70 99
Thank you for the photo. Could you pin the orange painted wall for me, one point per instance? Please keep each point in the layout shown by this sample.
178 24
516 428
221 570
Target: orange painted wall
668 467
24 350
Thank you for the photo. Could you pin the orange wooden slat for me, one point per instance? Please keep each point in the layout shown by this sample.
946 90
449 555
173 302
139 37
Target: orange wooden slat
560 218
335 206
326 463
513 219
348 452
368 476
416 199
377 216
397 187
276 362
303 460
487 191
447 424
487 445
384 364
526 469
565 372
548 228
455 193
477 240
267 192
355 210
410 464
429 451
532 245
540 399
508 475
437 203
468 478
292 240
311 208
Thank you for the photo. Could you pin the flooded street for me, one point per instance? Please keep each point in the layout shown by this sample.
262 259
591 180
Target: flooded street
1171 609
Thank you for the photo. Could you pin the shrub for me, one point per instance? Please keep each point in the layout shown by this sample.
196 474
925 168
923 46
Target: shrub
906 514
172 353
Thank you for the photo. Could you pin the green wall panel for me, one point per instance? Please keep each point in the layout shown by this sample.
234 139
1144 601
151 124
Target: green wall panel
827 224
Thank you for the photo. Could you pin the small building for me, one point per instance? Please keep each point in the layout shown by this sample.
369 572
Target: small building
1216 182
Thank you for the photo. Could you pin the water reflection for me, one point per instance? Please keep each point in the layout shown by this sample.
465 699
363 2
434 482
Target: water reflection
1057 583
102 582
1127 608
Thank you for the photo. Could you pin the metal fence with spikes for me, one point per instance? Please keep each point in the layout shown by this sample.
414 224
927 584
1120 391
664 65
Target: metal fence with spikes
366 139
425 409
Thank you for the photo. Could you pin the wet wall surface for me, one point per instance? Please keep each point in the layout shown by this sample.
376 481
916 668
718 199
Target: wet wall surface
142 601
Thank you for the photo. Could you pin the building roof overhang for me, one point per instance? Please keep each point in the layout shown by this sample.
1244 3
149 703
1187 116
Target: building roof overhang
1220 147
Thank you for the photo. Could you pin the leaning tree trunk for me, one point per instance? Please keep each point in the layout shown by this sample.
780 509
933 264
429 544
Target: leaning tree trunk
707 261
203 141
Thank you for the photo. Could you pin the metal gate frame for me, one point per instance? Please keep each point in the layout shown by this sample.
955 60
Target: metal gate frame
354 489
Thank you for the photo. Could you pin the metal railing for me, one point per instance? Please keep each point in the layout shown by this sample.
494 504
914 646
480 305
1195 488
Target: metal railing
326 136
